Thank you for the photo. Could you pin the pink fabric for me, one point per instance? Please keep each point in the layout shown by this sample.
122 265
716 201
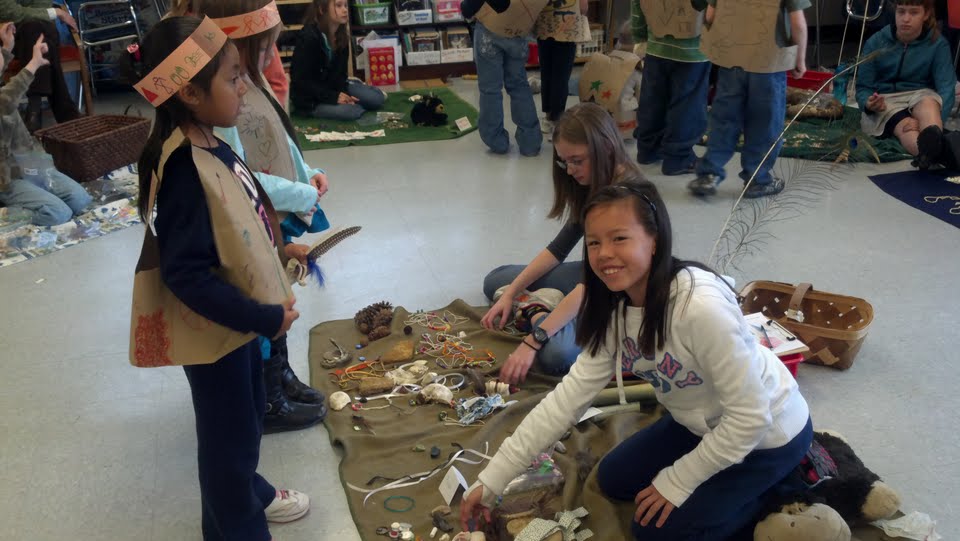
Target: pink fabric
277 77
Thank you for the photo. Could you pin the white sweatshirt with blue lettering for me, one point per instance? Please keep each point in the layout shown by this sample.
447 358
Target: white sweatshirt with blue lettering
712 375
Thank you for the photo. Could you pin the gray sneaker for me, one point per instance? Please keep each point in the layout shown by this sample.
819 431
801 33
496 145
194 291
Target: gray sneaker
773 187
703 185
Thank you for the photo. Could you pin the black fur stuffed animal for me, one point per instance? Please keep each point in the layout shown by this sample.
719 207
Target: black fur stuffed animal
428 112
847 493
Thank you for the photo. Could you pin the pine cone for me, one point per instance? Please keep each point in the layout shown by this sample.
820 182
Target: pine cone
367 318
379 333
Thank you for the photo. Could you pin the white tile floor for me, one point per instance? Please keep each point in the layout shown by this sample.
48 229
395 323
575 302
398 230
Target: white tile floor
93 449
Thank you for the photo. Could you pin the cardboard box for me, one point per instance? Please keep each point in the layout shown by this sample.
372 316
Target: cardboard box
457 45
384 66
422 59
368 14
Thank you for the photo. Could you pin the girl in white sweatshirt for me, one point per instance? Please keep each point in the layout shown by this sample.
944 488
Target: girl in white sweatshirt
736 423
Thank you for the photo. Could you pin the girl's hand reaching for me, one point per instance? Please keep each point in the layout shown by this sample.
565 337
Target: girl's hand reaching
649 502
38 60
514 371
500 309
471 508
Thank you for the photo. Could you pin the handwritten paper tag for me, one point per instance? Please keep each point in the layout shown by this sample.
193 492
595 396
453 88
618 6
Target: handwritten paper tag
463 123
452 482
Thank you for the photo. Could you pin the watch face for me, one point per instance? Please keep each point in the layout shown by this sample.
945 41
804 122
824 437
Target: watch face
540 335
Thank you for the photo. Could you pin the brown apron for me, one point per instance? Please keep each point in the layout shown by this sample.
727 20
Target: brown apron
743 35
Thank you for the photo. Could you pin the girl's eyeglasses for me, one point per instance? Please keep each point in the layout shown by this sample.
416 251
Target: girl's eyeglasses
575 163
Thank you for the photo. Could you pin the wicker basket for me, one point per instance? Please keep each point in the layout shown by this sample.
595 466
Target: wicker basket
833 326
89 147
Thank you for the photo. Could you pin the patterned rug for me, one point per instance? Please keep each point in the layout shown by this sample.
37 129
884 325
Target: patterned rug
114 208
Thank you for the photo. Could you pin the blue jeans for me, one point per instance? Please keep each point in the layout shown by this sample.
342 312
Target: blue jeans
722 506
370 98
754 104
559 354
673 115
502 63
53 199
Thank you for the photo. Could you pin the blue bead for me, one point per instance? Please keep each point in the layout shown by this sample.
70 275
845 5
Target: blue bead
363 359
359 346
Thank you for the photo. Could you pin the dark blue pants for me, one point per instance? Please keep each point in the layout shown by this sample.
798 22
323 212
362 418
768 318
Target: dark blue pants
720 507
753 104
672 116
229 403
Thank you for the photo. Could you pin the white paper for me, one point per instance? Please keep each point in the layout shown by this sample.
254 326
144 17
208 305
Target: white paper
916 525
463 123
591 412
452 481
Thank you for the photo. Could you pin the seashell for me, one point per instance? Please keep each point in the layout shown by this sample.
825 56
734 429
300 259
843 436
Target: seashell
435 393
339 400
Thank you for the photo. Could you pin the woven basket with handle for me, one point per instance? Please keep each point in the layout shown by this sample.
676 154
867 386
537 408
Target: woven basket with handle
833 326
89 147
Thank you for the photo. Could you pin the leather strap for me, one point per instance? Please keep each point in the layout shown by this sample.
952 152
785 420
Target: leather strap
794 311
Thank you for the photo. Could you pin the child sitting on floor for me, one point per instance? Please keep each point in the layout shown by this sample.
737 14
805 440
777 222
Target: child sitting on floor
38 187
318 73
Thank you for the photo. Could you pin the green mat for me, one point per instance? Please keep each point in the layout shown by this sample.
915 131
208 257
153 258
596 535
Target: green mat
397 102
825 140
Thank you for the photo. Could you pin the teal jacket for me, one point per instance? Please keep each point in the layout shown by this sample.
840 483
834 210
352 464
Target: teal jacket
923 63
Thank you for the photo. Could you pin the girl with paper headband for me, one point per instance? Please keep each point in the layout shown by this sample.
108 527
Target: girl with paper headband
264 137
209 278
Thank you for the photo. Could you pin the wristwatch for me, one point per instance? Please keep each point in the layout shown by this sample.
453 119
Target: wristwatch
540 336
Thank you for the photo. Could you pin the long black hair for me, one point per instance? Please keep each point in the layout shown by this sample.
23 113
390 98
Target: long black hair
249 49
599 303
163 39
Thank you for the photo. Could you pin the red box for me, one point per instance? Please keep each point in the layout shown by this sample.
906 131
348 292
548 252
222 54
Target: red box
381 66
533 54
811 80
792 361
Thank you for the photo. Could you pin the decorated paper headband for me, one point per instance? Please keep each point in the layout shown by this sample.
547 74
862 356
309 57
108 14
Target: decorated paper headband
248 24
183 63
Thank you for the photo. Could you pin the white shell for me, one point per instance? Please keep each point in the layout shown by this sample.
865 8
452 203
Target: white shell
339 400
436 393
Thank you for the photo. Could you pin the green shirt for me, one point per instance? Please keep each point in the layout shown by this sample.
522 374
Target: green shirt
783 19
678 49
18 11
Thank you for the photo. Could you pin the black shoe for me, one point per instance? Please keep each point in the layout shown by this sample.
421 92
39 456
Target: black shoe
282 414
297 390
930 147
773 187
703 185
688 169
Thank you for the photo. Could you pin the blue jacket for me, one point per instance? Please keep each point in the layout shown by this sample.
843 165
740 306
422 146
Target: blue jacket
923 63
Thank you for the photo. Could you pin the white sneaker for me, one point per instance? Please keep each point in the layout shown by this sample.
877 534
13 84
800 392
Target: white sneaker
546 297
289 505
546 126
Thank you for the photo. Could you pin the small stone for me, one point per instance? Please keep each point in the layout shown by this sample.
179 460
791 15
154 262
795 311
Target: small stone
434 452
442 416
408 330
363 359
419 448
356 428
359 346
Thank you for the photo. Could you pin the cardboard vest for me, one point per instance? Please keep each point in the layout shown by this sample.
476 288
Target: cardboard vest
603 81
744 35
263 137
164 331
562 21
675 18
516 21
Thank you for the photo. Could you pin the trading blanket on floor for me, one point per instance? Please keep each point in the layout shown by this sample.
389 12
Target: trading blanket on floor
932 192
382 449
401 131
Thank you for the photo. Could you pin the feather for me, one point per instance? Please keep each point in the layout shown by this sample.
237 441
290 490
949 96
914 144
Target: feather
742 233
316 271
330 241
